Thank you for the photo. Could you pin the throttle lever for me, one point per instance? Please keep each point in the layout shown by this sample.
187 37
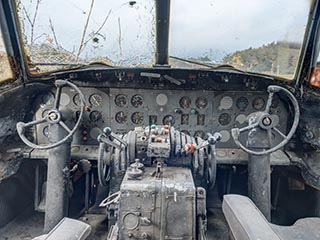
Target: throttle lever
212 140
108 137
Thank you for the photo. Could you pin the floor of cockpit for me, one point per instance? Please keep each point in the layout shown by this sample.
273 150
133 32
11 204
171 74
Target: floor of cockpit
29 224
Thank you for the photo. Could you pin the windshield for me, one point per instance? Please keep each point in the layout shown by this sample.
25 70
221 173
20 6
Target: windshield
263 36
256 36
5 69
67 33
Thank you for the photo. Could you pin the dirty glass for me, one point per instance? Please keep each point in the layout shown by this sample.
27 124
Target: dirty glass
62 34
262 36
5 68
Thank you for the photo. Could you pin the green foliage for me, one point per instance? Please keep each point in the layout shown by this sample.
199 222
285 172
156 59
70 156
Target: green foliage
278 58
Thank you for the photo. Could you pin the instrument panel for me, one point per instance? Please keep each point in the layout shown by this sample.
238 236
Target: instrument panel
194 112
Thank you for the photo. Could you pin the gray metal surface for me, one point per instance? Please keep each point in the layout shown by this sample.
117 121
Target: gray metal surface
218 103
57 194
158 208
247 222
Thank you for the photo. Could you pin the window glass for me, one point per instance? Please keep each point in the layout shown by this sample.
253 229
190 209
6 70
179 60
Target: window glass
5 68
62 34
263 36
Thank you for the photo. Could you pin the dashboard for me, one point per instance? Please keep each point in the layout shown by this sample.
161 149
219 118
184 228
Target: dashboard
194 112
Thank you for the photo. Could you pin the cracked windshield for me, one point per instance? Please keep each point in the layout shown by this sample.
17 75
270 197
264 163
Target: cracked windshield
5 69
67 33
256 36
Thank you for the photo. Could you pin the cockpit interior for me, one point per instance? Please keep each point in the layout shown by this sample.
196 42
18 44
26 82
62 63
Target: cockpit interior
184 148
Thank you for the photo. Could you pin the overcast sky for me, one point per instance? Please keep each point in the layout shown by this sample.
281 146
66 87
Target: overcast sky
198 27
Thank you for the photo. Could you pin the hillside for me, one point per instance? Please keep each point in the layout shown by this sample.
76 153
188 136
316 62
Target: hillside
274 58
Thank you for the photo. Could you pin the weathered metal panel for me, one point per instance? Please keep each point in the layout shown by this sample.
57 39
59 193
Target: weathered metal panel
158 208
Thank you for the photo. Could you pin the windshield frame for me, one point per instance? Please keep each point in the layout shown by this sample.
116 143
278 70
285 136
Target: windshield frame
162 41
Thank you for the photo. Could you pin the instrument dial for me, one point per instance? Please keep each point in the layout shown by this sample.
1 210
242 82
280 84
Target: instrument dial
201 102
121 117
77 100
242 103
185 102
167 119
258 103
137 100
95 116
45 112
137 118
121 100
95 100
161 99
46 131
224 119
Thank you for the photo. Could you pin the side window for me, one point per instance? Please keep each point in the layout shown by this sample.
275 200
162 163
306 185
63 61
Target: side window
5 68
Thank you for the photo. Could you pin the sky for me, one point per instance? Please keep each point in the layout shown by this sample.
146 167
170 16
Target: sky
198 28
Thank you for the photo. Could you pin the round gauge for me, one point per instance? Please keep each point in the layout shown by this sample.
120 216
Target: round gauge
258 103
95 100
224 119
121 100
242 103
201 102
46 131
200 134
137 101
77 100
225 136
186 132
161 99
46 99
95 116
95 132
121 117
185 102
167 119
64 99
45 113
226 103
137 117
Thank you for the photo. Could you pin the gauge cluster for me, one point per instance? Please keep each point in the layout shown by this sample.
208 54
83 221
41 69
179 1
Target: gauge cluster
95 118
188 111
194 112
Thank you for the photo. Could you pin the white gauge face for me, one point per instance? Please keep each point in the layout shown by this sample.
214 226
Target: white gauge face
225 136
64 99
162 99
226 103
241 118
